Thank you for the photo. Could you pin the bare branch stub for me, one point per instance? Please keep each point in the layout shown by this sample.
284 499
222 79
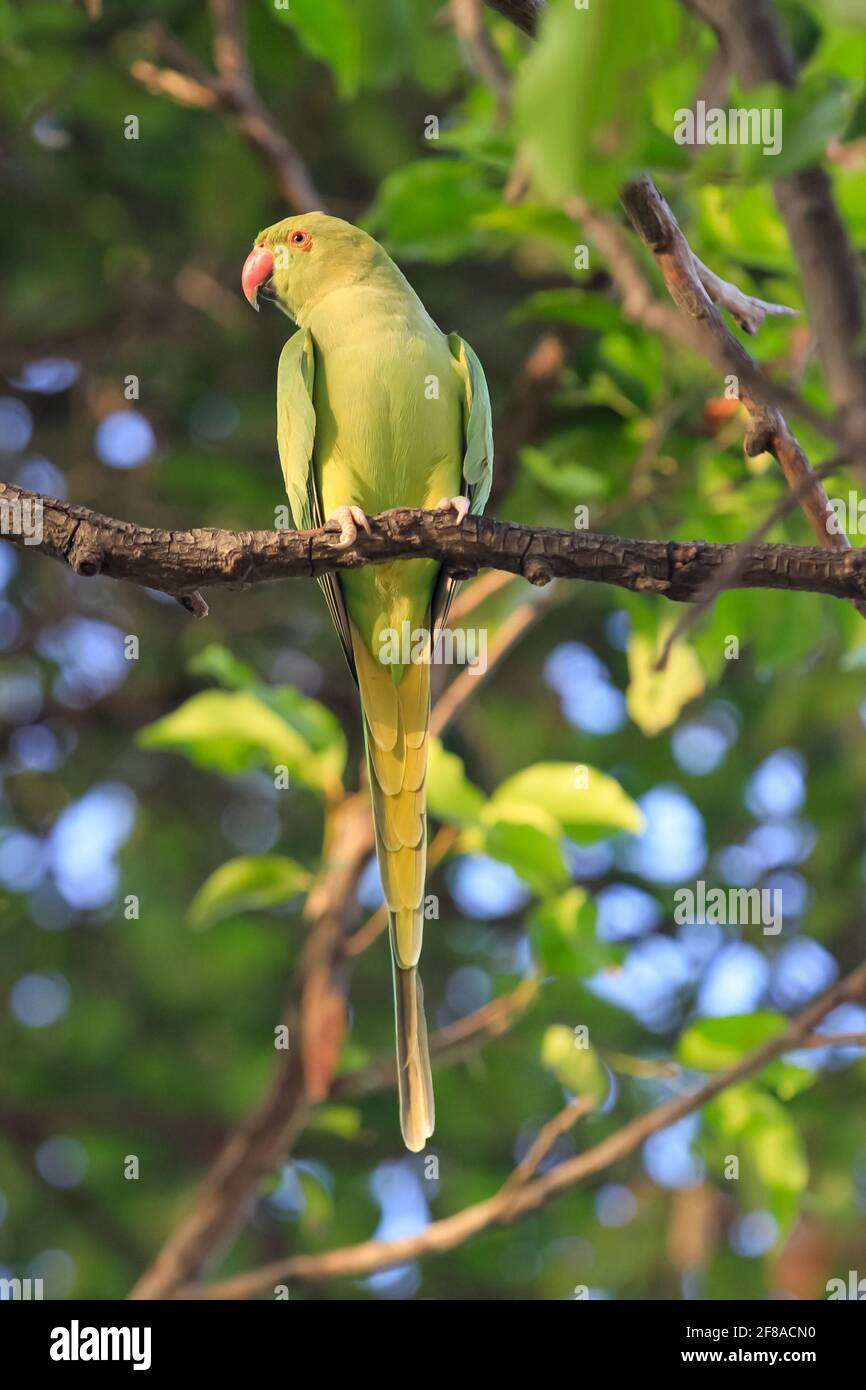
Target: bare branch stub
745 309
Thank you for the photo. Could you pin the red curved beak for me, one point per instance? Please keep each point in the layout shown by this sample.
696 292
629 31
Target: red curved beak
257 267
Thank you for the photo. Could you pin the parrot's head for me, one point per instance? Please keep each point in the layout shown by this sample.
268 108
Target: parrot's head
299 260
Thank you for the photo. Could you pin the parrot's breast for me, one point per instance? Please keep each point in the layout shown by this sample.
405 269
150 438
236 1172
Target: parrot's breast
389 423
389 433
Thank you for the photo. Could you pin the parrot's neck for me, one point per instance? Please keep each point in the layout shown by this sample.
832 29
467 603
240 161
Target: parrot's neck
385 294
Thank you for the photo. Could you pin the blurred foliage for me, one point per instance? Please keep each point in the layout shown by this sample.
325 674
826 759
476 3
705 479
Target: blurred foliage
139 798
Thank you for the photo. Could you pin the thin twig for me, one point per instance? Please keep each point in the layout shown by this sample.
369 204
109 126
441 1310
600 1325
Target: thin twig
769 431
458 694
755 48
745 309
835 1040
232 88
640 306
447 1045
545 1140
506 1205
482 53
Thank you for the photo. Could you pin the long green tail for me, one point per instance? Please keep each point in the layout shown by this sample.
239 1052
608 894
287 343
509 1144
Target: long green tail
396 732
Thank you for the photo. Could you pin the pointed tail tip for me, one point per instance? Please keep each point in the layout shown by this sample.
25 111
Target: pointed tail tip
417 1110
416 1119
413 1142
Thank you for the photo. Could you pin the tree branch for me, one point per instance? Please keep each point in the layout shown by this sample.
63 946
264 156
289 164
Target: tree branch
660 232
316 1020
509 1204
641 306
525 14
233 90
179 562
448 1044
753 42
523 413
482 53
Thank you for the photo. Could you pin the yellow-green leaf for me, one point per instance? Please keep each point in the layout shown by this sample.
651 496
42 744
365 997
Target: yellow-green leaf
577 1067
451 797
244 885
763 1135
585 803
712 1044
532 850
655 698
232 731
563 936
581 103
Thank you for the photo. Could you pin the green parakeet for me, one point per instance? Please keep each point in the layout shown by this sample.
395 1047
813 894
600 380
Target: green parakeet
377 408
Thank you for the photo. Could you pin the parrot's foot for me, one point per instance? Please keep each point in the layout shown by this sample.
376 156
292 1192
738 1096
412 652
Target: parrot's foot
346 520
460 505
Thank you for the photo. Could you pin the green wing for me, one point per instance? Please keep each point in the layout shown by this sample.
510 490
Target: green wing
477 425
477 453
296 435
296 424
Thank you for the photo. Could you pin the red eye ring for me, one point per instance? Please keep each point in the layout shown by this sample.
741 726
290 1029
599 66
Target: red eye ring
300 240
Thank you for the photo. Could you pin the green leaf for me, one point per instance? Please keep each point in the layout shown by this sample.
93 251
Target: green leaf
762 1134
522 222
564 479
329 30
580 307
786 1078
844 54
246 884
712 1044
451 797
426 209
581 98
223 666
385 31
655 698
585 803
576 1066
812 115
563 936
744 224
231 732
342 1120
317 726
636 365
533 851
845 11
318 1204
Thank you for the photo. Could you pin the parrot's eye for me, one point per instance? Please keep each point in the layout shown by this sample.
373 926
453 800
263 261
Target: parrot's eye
300 241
